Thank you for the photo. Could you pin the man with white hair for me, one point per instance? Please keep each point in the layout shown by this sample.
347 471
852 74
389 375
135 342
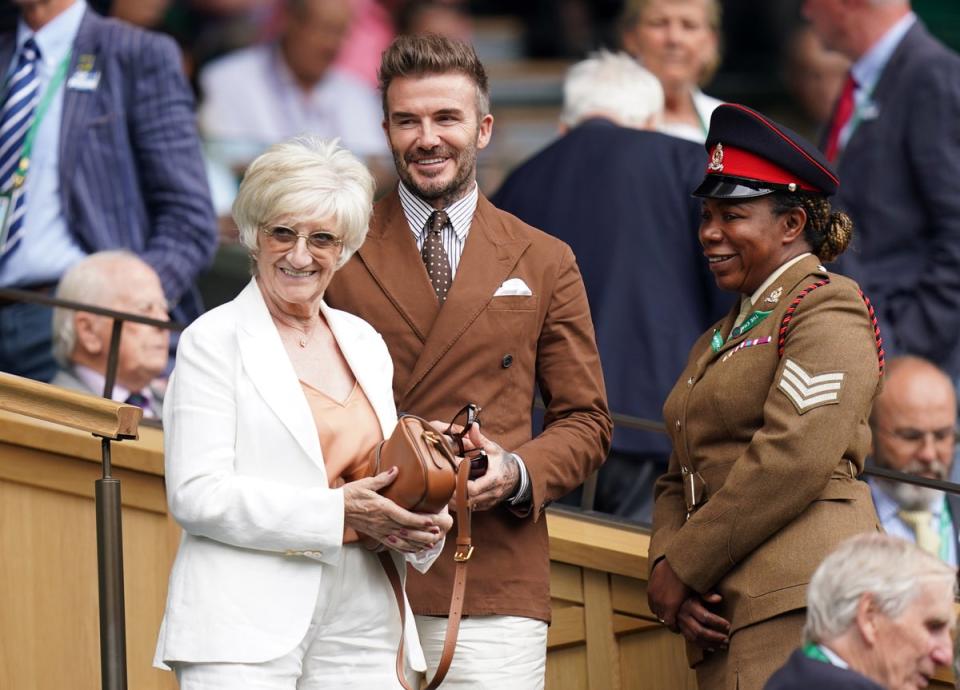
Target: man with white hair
914 431
879 617
121 281
895 140
619 194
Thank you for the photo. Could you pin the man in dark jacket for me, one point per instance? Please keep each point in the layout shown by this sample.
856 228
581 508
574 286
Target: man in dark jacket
879 617
619 195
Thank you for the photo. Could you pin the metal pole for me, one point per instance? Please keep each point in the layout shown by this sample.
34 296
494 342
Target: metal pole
110 376
113 635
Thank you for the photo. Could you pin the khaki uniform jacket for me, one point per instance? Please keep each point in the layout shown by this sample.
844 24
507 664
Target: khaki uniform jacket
774 445
494 351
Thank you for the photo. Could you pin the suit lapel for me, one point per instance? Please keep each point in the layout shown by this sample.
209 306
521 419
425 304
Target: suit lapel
266 363
390 254
8 42
357 350
489 255
885 92
78 104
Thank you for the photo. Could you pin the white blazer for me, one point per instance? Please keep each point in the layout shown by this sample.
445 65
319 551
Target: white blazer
246 481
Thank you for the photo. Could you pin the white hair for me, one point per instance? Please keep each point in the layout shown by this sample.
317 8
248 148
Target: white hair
889 569
612 84
306 178
93 280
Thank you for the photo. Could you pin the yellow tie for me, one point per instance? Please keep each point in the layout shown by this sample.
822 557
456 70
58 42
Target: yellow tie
920 522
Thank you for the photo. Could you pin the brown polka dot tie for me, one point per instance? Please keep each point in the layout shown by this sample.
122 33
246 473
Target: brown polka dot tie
435 256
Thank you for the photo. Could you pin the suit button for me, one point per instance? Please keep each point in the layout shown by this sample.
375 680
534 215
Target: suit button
677 425
506 361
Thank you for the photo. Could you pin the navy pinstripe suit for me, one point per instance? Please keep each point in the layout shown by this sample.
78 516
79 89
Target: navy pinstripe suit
131 171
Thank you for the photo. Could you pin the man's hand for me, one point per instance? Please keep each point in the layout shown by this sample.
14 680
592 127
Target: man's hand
502 477
666 593
701 626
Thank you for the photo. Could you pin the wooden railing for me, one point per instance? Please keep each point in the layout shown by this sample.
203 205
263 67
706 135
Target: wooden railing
603 636
109 421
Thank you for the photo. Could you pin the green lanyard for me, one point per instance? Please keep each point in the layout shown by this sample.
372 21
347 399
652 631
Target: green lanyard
55 82
716 342
946 533
813 651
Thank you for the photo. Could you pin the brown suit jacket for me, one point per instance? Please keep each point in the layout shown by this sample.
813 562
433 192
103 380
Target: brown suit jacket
493 351
779 487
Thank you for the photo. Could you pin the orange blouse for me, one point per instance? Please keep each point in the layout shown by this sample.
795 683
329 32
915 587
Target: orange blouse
348 431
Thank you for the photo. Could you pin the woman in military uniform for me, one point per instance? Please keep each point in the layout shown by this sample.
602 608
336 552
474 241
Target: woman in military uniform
769 419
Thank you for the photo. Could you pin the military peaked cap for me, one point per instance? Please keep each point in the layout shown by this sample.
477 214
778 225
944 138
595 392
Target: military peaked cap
751 155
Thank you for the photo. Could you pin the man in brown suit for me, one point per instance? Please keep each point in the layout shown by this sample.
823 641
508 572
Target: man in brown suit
476 306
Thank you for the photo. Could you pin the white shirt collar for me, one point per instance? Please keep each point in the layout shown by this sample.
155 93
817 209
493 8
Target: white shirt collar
94 380
833 657
417 211
55 38
866 71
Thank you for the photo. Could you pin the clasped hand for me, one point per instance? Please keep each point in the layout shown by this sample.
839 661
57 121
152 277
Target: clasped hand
683 610
369 513
502 477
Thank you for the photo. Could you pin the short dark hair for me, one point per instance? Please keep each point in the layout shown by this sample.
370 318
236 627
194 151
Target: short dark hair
432 54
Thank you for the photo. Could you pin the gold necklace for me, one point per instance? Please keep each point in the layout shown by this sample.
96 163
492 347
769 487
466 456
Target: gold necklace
302 339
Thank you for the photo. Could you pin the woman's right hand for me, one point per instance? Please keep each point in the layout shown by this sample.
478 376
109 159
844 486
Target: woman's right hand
369 513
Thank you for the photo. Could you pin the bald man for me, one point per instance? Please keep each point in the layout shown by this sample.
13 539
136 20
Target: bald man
913 424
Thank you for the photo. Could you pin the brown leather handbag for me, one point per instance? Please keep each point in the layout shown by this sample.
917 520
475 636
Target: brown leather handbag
428 477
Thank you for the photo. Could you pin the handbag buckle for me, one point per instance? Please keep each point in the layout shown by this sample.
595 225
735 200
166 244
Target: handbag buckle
461 556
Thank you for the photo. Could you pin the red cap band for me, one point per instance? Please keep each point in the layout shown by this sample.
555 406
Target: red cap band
729 160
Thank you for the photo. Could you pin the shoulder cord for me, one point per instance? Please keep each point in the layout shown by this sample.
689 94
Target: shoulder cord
788 317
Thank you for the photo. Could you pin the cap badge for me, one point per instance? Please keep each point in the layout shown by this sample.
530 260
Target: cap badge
716 160
774 296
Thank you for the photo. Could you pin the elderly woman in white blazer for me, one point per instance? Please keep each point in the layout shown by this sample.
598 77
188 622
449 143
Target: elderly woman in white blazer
274 401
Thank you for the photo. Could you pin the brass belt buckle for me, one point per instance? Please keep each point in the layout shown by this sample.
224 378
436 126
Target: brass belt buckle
693 486
461 556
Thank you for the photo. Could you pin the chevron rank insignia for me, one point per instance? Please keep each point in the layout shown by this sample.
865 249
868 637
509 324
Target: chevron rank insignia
808 391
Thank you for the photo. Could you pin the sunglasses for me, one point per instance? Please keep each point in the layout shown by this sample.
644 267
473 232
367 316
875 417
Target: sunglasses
282 238
467 417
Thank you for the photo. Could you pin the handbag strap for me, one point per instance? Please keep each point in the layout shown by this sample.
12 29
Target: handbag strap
461 556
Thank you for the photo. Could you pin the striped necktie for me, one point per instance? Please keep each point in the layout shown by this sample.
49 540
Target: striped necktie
23 93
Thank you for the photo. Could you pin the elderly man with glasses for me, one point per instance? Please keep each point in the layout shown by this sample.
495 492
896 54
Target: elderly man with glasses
914 431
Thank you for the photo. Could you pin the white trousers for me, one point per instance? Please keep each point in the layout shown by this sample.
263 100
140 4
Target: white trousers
351 641
502 652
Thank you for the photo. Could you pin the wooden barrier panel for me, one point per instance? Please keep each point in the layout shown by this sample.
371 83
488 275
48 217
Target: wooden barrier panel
603 635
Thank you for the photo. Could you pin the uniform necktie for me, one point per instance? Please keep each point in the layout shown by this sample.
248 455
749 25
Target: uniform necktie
841 117
920 521
23 93
746 307
435 256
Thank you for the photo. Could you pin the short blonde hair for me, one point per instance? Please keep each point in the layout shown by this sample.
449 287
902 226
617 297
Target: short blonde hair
633 12
306 178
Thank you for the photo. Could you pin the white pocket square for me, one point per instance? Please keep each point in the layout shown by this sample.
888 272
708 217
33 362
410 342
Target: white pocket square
512 286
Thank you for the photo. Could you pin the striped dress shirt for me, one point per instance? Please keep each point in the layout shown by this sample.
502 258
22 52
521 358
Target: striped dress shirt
454 234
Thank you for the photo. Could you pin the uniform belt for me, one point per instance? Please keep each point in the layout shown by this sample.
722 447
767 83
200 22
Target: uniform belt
39 288
694 488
